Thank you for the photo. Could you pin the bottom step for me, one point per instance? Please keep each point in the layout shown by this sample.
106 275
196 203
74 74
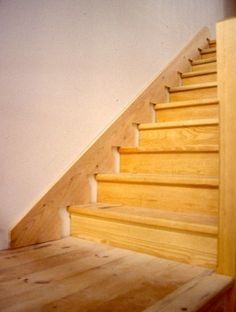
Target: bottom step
188 238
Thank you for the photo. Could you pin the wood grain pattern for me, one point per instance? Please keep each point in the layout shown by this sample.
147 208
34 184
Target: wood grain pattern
203 61
208 53
150 179
184 112
179 124
205 55
172 197
182 137
171 163
203 294
85 276
190 92
42 222
198 73
204 224
204 66
227 96
211 43
141 229
205 76
171 182
177 245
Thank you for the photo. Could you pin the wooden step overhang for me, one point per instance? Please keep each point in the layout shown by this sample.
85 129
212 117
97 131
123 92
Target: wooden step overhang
205 224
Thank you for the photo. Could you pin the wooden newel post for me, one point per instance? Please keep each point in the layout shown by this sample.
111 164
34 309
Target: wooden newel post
226 67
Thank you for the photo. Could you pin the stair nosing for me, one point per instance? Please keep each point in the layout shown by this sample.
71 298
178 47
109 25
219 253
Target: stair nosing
179 104
162 222
204 85
198 73
190 150
145 178
178 124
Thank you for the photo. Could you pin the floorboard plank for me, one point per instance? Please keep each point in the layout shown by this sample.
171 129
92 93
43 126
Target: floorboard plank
79 275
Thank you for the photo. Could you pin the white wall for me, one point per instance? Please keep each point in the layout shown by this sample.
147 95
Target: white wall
68 67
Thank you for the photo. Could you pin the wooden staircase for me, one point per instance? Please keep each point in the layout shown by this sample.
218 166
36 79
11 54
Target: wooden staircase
164 201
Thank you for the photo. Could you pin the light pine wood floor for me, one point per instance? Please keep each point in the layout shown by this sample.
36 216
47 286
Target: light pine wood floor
77 275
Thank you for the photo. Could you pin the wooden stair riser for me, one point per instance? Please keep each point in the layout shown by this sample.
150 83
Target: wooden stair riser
206 66
199 79
187 113
207 55
180 198
192 164
180 137
185 95
212 44
182 246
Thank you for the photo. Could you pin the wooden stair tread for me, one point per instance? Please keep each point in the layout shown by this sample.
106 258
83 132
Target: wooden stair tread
178 124
159 179
150 217
198 73
203 61
207 50
193 87
198 102
211 41
152 149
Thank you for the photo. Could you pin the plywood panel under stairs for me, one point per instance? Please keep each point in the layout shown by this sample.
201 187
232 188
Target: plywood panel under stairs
86 276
